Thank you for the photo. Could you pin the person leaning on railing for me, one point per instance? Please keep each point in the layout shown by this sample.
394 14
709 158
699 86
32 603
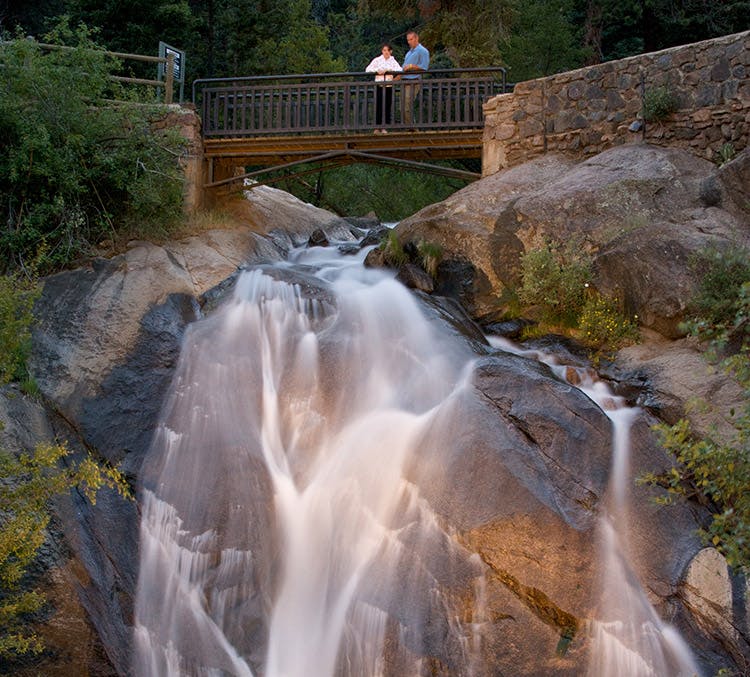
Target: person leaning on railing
384 65
416 62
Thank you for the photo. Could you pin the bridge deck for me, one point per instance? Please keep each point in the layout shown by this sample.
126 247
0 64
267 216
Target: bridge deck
274 150
282 121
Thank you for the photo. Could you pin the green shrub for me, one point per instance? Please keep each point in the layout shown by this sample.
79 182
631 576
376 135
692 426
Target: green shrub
602 324
715 470
27 484
555 280
430 256
77 168
716 302
725 154
17 297
658 103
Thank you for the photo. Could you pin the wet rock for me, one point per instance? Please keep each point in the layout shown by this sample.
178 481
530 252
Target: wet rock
511 329
318 238
349 249
375 236
414 277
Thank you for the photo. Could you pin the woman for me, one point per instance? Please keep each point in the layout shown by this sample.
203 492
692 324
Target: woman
384 65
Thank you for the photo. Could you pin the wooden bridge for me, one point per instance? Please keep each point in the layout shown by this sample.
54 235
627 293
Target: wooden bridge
255 126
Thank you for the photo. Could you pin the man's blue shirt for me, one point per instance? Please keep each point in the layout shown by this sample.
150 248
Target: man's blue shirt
419 56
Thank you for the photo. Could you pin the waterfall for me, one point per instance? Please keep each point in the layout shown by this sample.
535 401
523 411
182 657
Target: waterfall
281 534
283 529
628 638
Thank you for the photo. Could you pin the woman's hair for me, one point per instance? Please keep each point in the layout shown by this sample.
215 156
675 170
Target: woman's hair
386 44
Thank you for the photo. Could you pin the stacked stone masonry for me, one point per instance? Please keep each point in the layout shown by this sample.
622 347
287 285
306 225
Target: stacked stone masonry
586 111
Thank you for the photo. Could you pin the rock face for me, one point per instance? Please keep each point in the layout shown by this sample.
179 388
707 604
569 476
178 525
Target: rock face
641 211
523 489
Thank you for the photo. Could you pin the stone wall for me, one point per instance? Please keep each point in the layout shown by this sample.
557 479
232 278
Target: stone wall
186 121
586 111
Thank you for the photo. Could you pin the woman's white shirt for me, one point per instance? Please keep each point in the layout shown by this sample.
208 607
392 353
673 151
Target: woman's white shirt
380 63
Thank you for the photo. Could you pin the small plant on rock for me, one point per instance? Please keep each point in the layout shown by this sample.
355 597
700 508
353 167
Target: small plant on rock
603 324
430 255
658 104
393 251
726 153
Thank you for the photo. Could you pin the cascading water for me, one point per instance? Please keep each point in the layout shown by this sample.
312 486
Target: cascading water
628 638
283 530
280 533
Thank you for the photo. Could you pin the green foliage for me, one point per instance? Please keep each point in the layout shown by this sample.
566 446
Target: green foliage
75 168
658 104
603 324
391 193
430 256
555 280
556 283
469 32
393 251
27 484
17 297
543 40
725 154
717 301
716 469
718 474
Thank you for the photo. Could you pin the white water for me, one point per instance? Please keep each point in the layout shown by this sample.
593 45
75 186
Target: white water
628 638
280 532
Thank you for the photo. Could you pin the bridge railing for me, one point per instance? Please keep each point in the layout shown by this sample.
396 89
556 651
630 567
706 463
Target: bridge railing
344 102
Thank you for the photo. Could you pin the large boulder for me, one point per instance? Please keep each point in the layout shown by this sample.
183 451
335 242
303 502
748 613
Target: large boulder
640 210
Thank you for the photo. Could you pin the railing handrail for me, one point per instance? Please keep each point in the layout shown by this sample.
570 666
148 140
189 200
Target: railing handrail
345 102
323 77
168 60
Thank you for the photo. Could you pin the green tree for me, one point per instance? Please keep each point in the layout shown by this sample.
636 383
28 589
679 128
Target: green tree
74 167
270 37
27 484
542 40
137 26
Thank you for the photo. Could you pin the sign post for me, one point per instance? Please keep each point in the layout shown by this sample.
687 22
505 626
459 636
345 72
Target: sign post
177 58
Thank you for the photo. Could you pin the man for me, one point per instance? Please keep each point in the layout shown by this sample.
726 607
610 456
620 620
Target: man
416 61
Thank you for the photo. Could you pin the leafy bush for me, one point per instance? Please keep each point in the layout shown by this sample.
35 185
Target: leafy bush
17 297
27 483
555 280
716 303
77 168
603 324
658 104
716 469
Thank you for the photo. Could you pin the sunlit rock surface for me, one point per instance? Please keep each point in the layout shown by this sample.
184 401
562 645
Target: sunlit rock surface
640 210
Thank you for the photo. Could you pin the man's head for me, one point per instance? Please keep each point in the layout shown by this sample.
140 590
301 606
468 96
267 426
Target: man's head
412 39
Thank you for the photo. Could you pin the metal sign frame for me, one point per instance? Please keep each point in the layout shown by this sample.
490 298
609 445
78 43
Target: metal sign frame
179 65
